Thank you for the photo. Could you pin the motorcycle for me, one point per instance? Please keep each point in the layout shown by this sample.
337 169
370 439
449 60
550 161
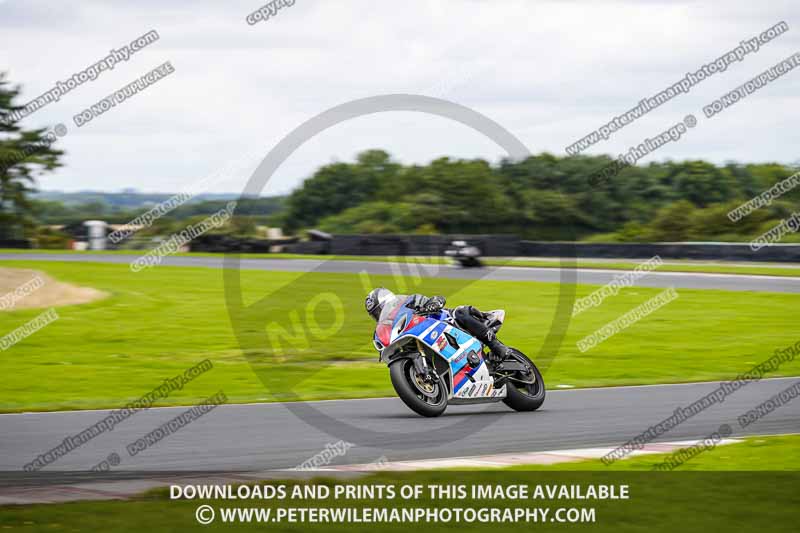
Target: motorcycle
433 362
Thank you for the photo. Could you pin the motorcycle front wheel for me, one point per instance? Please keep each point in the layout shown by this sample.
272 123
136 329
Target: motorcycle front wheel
426 399
525 392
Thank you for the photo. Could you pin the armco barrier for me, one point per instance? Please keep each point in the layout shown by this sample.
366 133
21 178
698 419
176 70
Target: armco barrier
15 243
430 245
666 250
511 246
229 243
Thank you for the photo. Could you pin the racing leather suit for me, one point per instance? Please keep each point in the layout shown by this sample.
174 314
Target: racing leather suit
468 317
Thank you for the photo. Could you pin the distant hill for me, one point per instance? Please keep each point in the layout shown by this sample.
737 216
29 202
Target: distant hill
56 207
123 200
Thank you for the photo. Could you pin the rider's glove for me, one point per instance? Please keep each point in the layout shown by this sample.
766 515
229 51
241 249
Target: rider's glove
433 305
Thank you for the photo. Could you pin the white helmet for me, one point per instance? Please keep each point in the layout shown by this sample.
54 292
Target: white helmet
376 300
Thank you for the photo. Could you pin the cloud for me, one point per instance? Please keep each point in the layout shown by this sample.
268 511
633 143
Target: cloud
550 72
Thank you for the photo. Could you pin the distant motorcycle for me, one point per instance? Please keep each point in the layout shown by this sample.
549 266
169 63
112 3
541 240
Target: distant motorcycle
465 255
433 362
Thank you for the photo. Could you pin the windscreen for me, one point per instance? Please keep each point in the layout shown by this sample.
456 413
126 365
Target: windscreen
390 309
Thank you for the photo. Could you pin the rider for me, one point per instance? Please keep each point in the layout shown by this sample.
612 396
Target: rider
468 317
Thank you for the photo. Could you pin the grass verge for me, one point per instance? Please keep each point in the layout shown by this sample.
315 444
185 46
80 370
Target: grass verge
159 322
758 500
768 453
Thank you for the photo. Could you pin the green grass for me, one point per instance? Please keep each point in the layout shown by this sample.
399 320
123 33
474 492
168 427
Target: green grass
753 454
158 322
759 500
756 269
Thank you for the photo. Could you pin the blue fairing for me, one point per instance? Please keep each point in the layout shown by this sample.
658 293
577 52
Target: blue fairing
429 330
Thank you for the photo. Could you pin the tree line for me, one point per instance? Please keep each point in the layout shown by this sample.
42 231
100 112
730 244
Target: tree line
544 197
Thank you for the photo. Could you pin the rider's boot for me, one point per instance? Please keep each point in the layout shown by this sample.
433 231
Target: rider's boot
499 353
499 350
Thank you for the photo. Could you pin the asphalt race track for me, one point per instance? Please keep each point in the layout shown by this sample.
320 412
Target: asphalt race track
258 437
728 282
254 437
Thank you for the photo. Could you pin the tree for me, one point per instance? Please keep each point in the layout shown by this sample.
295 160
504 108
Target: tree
703 183
541 197
338 186
672 223
23 155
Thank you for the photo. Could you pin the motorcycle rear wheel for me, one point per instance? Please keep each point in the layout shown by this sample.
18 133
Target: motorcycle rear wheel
525 396
424 399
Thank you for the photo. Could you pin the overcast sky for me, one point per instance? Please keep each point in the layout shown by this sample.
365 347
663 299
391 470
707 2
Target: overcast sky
549 72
